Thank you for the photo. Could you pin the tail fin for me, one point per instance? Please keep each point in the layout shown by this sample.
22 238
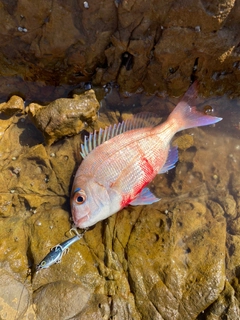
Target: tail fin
188 117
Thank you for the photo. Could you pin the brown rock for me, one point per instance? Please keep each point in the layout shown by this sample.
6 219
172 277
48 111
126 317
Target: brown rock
174 283
5 204
227 305
14 297
64 117
73 299
66 43
184 142
15 104
167 260
229 205
13 246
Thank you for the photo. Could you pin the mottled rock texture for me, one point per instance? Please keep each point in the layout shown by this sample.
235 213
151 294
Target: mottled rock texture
15 104
154 45
176 259
64 117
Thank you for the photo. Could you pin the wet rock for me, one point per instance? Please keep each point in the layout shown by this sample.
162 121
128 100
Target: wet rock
235 182
14 104
234 226
60 299
5 123
184 142
5 204
97 308
233 258
14 297
174 42
64 117
226 306
215 208
174 283
169 260
13 243
229 206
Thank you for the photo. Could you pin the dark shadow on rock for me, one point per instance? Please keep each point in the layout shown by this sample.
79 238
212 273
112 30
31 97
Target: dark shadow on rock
30 136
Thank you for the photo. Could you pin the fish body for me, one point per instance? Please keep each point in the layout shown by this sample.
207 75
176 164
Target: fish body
115 173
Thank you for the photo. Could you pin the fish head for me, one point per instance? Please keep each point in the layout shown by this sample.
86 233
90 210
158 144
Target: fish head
90 203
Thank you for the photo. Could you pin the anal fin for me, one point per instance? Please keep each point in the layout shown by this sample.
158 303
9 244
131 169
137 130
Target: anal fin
171 160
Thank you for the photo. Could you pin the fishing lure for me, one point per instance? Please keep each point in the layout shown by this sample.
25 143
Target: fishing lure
56 253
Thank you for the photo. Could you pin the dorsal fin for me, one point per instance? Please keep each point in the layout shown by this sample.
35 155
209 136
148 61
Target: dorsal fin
140 120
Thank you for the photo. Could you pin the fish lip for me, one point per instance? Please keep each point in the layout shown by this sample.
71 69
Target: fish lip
79 222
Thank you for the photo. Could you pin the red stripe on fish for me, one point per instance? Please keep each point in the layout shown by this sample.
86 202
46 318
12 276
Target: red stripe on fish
149 173
125 201
147 167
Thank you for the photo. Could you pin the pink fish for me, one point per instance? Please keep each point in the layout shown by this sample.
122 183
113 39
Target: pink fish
120 161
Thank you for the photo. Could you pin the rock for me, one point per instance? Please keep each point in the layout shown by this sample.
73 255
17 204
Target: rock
229 205
5 123
234 226
14 297
15 104
14 246
97 308
215 208
184 142
169 260
64 117
60 45
5 204
65 300
227 305
172 286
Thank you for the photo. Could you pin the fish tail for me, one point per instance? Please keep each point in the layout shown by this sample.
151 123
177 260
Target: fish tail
185 117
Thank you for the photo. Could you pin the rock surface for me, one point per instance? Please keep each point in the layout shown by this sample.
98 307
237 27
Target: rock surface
15 104
176 259
14 297
64 117
64 43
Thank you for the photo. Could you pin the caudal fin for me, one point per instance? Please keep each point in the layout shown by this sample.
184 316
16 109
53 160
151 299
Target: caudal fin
188 117
184 116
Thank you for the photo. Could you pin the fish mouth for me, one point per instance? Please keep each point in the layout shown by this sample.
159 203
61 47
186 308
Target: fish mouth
80 222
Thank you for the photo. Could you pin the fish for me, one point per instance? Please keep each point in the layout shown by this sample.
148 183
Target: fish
121 160
56 253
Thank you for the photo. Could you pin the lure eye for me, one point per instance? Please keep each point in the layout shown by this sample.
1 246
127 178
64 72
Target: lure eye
80 197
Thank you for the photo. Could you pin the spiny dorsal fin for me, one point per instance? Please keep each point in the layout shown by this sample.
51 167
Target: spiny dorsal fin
140 120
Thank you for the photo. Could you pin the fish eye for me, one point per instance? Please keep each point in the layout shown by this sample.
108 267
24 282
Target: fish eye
43 263
80 197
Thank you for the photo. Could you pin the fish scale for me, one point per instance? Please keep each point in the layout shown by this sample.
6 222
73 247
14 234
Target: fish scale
105 155
106 152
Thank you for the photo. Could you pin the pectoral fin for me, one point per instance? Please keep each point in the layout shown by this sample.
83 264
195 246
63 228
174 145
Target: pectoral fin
144 197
